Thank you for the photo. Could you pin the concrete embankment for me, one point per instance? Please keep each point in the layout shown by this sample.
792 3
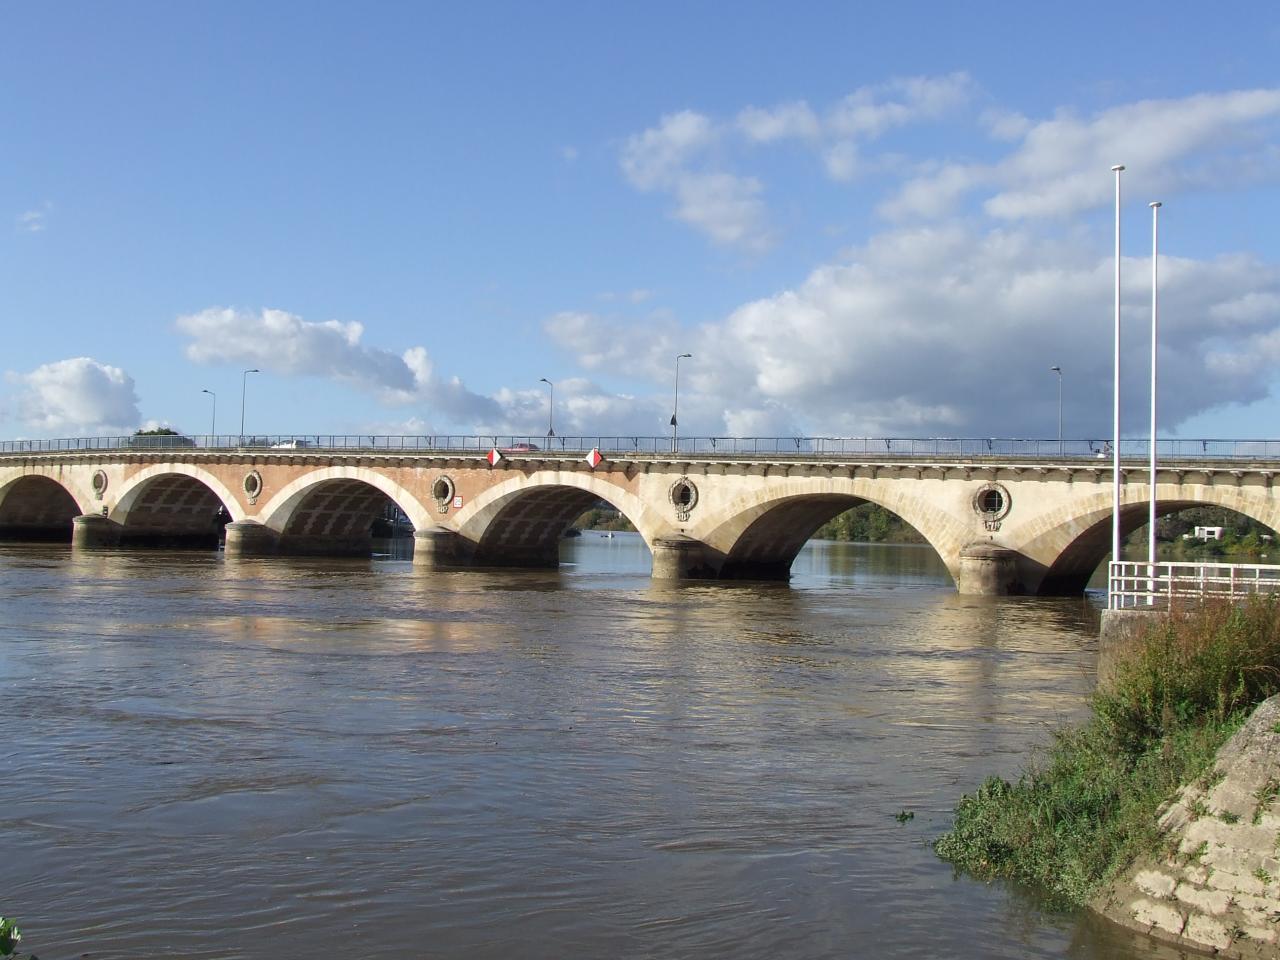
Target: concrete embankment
1215 887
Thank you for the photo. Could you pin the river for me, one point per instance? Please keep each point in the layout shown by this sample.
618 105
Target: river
309 758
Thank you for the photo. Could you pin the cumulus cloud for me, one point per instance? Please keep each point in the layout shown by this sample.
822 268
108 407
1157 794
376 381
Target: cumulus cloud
601 343
787 120
658 156
286 344
683 156
79 395
582 409
671 158
870 111
1053 171
950 330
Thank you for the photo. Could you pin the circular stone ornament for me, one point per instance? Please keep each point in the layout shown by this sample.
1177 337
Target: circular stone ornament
442 492
253 485
99 483
683 495
992 502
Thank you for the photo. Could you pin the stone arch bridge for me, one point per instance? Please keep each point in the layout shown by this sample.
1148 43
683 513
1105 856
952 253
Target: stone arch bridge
1001 524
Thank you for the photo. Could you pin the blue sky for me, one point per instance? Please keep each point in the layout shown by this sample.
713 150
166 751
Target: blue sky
861 220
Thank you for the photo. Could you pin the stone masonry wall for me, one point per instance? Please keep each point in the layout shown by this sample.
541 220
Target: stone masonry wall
1218 891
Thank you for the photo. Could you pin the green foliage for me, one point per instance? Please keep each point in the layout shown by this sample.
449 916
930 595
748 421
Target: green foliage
157 432
1082 811
603 517
10 937
1265 796
1242 537
868 523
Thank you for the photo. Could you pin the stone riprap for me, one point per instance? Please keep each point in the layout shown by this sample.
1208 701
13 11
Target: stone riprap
1216 888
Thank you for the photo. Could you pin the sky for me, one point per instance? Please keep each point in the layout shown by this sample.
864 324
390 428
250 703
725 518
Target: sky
859 219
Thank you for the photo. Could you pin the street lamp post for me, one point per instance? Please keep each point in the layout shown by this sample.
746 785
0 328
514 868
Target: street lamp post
1115 399
675 405
1155 328
551 407
244 382
213 417
1058 371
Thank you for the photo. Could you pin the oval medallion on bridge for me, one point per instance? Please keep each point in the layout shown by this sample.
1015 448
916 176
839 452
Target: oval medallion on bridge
442 492
992 502
99 483
684 497
253 486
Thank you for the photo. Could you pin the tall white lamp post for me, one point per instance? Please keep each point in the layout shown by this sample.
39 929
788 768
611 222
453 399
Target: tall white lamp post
1115 412
1155 329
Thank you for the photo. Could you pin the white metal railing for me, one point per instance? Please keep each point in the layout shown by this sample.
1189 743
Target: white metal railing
1137 584
831 447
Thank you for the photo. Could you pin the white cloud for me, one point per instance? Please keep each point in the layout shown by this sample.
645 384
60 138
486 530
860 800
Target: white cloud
869 112
657 157
841 160
787 120
568 154
670 158
726 208
598 343
582 409
950 331
79 395
684 155
1005 124
1056 169
936 195
284 343
32 221
1060 167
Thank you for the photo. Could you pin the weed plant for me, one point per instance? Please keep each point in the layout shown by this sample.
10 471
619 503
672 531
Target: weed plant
1087 805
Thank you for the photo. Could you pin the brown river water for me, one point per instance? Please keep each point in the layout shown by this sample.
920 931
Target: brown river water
287 758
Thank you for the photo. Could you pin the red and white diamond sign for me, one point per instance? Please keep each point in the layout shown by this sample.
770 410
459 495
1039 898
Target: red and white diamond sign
594 458
493 457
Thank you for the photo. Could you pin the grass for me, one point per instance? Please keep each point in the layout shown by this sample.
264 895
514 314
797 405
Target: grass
1086 807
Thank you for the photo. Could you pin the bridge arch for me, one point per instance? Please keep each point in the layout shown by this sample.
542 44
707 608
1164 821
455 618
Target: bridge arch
36 507
521 521
332 510
765 531
174 503
1064 551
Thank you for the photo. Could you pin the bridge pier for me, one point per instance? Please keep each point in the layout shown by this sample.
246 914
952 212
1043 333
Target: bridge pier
987 570
248 538
679 558
434 547
92 530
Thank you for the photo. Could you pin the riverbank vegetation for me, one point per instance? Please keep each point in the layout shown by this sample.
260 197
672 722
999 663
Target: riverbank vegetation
1086 807
1244 540
10 937
868 523
603 517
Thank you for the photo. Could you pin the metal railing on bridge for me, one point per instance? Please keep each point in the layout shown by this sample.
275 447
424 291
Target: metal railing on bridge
1136 584
792 447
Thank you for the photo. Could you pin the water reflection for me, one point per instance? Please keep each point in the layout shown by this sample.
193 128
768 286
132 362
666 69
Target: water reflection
283 757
